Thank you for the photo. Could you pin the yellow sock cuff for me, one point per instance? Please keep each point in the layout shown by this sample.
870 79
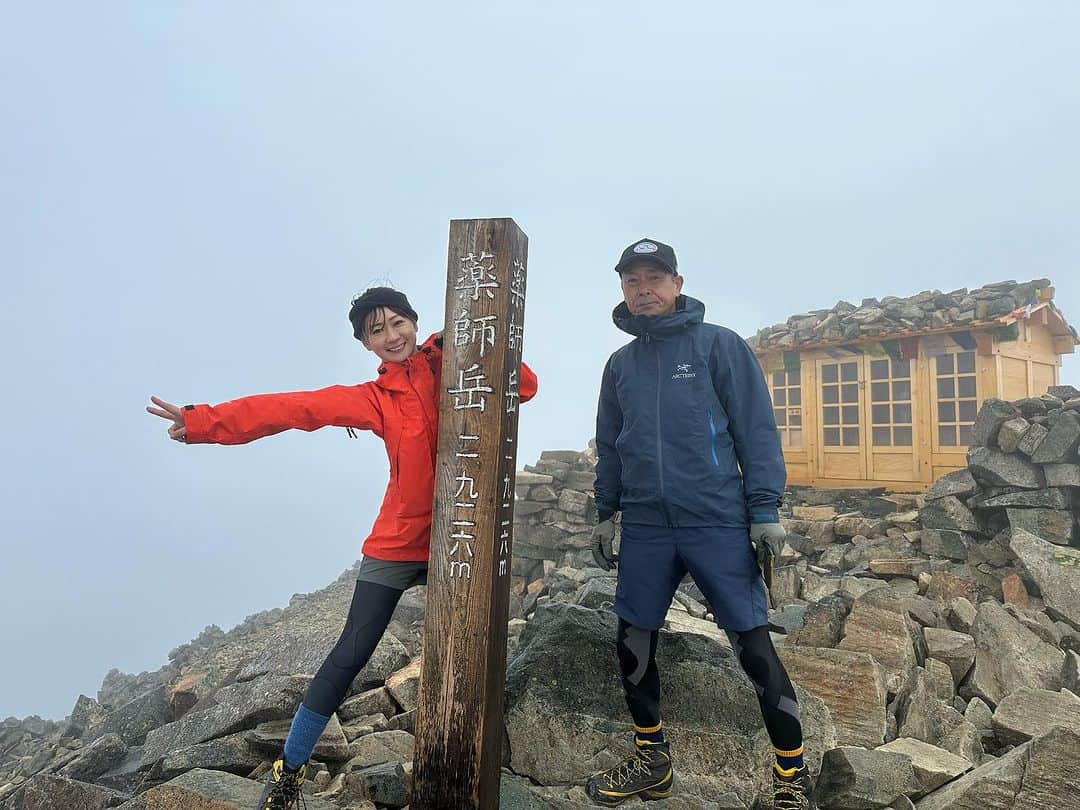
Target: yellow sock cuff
650 730
795 752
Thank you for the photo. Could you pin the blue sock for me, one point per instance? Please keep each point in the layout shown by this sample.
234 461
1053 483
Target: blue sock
307 727
787 762
655 734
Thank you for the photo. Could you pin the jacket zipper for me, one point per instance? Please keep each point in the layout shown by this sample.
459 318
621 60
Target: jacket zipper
659 436
423 407
712 439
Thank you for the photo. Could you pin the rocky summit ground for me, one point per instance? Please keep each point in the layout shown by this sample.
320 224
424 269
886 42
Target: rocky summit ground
934 641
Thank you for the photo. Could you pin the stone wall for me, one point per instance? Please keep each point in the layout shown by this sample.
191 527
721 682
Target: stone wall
1015 507
554 514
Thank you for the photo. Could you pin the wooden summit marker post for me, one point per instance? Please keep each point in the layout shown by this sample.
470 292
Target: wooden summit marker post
459 718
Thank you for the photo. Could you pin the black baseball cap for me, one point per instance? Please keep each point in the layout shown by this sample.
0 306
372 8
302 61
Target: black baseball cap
651 251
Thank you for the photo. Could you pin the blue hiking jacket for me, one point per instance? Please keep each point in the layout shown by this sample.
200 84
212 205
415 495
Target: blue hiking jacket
685 432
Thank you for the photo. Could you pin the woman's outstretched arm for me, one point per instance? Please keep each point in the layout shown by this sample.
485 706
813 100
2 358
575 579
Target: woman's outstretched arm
243 420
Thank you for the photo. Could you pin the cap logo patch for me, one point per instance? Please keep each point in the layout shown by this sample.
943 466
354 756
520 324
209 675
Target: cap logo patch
645 247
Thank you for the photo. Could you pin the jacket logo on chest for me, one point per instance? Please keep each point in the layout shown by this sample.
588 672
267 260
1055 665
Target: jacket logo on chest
684 371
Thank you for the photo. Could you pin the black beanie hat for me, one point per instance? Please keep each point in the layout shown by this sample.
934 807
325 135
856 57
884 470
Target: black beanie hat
373 299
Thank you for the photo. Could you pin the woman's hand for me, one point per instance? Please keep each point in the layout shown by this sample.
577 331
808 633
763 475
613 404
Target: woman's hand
166 410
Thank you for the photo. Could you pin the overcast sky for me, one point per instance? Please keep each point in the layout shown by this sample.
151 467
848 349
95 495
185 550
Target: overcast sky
192 193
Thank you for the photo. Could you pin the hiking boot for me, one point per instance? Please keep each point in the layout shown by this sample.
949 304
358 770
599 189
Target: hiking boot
647 773
282 791
793 792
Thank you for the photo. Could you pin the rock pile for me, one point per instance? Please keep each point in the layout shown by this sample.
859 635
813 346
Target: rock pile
934 642
1012 512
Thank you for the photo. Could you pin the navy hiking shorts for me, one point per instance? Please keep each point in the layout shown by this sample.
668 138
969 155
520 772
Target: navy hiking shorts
654 559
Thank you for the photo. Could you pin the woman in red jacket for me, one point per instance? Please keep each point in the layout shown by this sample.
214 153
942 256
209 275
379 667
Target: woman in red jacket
401 406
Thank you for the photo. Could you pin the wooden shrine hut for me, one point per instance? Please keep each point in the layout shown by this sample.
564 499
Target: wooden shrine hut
886 393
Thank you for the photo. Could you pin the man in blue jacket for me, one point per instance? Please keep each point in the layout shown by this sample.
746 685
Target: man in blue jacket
689 453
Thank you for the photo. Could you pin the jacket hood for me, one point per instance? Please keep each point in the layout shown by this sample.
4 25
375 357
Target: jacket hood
688 312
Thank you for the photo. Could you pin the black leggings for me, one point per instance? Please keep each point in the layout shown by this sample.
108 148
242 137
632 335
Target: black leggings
370 612
757 656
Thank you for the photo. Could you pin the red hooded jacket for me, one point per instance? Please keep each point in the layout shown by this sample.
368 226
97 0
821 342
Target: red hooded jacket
401 406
